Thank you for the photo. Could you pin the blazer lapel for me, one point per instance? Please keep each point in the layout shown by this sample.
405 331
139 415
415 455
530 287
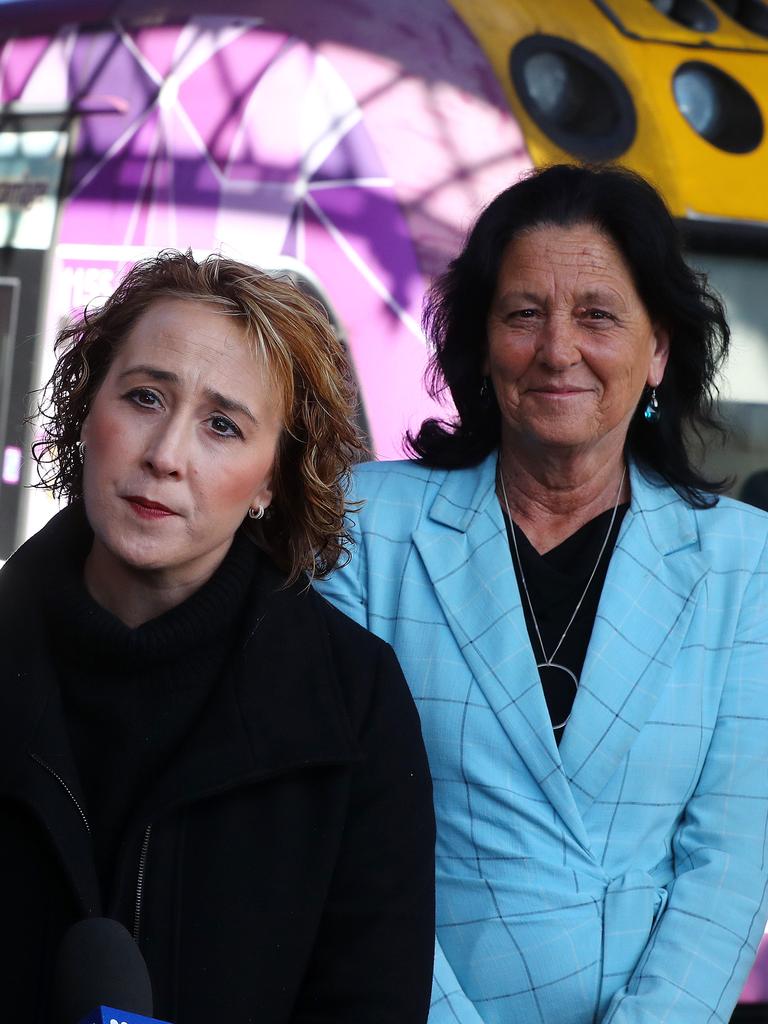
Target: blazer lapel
471 570
644 612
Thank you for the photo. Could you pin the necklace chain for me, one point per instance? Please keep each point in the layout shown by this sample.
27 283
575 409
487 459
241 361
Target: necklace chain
550 660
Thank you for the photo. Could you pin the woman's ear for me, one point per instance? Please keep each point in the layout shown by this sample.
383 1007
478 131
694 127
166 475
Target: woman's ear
659 356
263 495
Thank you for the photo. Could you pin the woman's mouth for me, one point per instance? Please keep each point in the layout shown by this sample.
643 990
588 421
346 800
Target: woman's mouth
147 509
560 392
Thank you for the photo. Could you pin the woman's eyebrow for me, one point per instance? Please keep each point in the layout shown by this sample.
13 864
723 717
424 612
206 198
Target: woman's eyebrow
168 376
521 295
151 371
229 404
602 296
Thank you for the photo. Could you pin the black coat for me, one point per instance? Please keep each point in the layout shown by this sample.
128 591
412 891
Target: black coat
280 871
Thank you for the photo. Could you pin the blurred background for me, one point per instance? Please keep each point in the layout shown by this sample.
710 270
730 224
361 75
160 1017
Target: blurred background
351 143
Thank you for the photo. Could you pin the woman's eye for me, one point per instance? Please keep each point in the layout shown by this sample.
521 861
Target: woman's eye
144 397
599 314
224 427
523 314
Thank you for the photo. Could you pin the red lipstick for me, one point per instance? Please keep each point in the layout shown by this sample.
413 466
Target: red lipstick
147 509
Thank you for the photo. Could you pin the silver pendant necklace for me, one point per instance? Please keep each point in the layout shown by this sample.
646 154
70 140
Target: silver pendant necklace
549 663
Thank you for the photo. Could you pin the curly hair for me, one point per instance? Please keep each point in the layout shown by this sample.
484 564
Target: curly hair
305 529
629 211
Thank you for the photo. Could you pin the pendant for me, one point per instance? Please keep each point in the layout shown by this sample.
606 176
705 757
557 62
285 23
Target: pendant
553 666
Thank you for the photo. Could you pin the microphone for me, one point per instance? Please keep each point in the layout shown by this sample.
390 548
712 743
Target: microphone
100 967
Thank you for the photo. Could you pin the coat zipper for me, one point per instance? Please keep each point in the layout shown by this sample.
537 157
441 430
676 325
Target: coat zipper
65 787
140 883
144 846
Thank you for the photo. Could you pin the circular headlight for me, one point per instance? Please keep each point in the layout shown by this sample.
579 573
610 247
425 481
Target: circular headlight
717 107
697 100
549 82
752 14
573 96
694 14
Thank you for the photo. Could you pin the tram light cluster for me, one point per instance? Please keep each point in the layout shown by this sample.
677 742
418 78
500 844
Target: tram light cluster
693 14
751 14
583 106
575 97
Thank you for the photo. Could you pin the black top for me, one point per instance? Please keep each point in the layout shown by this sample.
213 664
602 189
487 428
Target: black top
130 696
556 581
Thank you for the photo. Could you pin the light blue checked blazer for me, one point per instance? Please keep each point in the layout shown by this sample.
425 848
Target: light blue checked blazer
622 877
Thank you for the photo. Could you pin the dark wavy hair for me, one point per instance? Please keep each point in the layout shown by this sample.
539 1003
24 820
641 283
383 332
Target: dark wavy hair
629 211
304 530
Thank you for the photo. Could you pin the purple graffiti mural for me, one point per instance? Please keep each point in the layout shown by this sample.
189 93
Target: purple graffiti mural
249 140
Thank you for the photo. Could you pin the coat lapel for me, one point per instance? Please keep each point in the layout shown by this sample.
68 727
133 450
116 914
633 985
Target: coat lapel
644 613
36 762
473 577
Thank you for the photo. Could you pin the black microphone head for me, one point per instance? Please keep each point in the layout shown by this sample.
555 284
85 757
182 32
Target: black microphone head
98 963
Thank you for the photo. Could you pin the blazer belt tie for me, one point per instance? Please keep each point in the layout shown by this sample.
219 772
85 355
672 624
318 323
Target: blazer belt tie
632 908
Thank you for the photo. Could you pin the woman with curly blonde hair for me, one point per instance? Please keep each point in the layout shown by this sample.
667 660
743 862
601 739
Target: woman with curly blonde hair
196 744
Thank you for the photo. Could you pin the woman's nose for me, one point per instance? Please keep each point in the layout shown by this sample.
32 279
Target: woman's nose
166 451
558 348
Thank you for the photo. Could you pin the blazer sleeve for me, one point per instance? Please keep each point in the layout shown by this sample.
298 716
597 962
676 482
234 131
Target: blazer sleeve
373 955
704 942
345 587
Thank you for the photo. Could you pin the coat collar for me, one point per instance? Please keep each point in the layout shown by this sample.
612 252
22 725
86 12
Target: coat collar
278 708
655 568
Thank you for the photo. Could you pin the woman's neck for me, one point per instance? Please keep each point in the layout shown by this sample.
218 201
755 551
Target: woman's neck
553 496
137 596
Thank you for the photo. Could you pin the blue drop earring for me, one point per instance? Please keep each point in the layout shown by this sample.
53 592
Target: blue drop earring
652 413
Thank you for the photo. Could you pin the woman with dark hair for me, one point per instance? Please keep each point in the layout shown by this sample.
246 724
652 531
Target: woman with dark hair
195 743
582 621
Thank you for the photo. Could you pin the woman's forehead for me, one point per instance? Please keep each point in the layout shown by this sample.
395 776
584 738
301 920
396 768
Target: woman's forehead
579 256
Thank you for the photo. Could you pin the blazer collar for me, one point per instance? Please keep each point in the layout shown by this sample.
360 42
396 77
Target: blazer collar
465 493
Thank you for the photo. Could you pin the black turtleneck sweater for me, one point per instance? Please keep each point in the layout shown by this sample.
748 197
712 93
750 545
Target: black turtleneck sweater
130 696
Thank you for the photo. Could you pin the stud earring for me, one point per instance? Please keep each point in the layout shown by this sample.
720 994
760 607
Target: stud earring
256 513
652 413
485 390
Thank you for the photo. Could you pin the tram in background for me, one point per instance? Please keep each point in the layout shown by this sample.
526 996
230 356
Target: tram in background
351 146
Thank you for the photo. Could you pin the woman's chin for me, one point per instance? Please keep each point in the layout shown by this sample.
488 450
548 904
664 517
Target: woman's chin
556 437
148 557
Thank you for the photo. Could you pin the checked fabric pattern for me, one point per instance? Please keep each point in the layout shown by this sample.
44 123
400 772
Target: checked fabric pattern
622 877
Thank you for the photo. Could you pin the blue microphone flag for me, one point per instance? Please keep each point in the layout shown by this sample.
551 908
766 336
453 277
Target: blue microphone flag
109 1015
